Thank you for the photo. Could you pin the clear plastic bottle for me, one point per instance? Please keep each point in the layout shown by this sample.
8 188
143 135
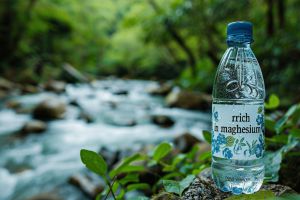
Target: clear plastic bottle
238 115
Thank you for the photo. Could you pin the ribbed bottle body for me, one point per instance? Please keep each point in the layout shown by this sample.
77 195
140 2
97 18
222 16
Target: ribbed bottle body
238 122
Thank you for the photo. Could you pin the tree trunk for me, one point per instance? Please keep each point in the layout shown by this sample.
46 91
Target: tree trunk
281 13
177 38
270 18
12 29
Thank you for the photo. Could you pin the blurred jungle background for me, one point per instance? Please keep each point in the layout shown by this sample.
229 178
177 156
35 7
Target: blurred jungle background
119 76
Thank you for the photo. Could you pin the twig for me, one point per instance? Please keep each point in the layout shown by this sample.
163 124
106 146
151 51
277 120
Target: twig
110 188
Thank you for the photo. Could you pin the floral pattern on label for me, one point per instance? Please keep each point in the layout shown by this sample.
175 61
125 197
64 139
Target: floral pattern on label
238 131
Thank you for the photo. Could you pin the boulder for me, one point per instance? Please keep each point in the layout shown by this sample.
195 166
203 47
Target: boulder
55 86
72 75
204 188
185 142
49 109
86 117
35 126
86 185
162 120
29 89
13 104
162 89
75 103
189 100
6 85
120 92
3 94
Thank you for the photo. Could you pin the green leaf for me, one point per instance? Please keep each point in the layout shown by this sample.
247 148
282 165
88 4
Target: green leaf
295 132
270 124
161 151
99 196
178 187
273 102
186 183
123 166
286 148
178 159
129 178
94 162
205 156
281 139
138 186
171 186
172 175
121 194
272 161
207 136
283 120
264 194
192 153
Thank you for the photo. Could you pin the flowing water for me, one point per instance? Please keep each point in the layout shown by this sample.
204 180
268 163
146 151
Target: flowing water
40 163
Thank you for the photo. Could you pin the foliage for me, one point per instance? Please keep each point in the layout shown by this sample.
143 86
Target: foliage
178 187
126 176
142 39
177 171
283 133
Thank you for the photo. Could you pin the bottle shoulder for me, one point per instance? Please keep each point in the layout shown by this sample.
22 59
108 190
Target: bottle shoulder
239 76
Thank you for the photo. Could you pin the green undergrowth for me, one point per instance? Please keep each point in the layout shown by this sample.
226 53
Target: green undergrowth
172 172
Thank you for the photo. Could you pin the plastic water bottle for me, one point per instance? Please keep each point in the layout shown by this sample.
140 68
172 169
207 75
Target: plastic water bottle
238 115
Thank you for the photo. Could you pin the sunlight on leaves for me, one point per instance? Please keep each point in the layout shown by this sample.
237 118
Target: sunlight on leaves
273 102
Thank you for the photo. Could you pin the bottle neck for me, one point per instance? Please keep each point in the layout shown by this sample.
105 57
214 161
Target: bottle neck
238 44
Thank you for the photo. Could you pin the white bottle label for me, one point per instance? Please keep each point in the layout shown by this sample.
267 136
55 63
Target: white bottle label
237 131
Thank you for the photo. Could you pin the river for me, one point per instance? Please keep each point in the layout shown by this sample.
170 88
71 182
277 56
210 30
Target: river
40 163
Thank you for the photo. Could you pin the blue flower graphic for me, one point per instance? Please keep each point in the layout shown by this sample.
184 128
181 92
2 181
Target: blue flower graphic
227 153
216 115
258 150
221 139
261 141
260 119
215 146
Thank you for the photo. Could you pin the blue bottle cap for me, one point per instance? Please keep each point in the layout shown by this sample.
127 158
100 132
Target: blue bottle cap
239 32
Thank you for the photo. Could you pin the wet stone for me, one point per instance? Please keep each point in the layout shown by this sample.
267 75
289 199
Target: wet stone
162 89
185 142
120 92
204 188
86 185
35 126
49 109
55 86
162 120
189 100
45 196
